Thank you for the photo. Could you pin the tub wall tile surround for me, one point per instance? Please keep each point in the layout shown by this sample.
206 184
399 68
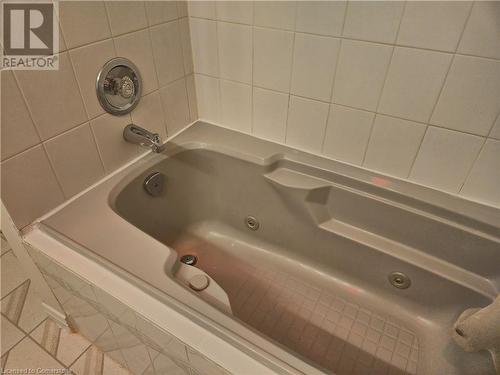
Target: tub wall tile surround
308 74
56 141
409 89
120 333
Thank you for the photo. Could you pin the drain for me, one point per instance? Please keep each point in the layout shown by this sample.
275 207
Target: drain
399 280
153 184
252 223
189 259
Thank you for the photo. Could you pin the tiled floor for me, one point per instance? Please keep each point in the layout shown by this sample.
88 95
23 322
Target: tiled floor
30 340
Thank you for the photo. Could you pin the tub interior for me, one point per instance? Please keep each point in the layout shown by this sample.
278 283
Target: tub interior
314 276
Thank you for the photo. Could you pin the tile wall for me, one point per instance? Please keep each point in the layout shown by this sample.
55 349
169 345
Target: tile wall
410 89
56 138
120 333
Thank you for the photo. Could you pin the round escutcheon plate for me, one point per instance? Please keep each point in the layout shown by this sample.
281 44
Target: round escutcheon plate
119 86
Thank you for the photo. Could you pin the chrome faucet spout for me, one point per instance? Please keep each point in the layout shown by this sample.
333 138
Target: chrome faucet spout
140 136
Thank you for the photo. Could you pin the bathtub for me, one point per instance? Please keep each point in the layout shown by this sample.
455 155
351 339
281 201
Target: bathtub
313 266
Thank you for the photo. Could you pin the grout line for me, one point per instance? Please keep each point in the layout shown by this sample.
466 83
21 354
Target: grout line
438 98
59 183
263 88
80 355
416 153
289 93
28 109
94 138
155 66
252 73
358 39
465 26
337 61
83 123
219 102
8 251
493 126
377 108
28 337
467 175
25 101
73 70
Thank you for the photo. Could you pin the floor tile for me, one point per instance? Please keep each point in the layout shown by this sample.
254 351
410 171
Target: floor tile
10 335
110 367
12 273
94 362
60 341
23 307
27 354
5 245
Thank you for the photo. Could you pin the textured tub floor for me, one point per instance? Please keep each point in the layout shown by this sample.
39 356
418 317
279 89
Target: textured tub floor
30 340
324 328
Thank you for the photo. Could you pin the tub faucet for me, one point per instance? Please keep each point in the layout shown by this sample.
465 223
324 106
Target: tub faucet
140 136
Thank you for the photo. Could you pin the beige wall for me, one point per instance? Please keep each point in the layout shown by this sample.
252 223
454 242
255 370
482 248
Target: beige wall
56 139
410 89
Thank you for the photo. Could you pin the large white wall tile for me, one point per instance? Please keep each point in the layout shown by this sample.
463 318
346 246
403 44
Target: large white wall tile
202 9
58 106
270 109
413 83
495 131
204 46
126 16
306 124
161 11
433 24
483 182
393 145
235 11
191 92
376 21
167 52
236 105
113 148
235 51
347 134
276 14
445 158
27 201
314 62
75 159
87 62
75 16
207 97
272 63
182 8
18 132
149 114
187 52
320 17
361 73
470 100
482 33
175 105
